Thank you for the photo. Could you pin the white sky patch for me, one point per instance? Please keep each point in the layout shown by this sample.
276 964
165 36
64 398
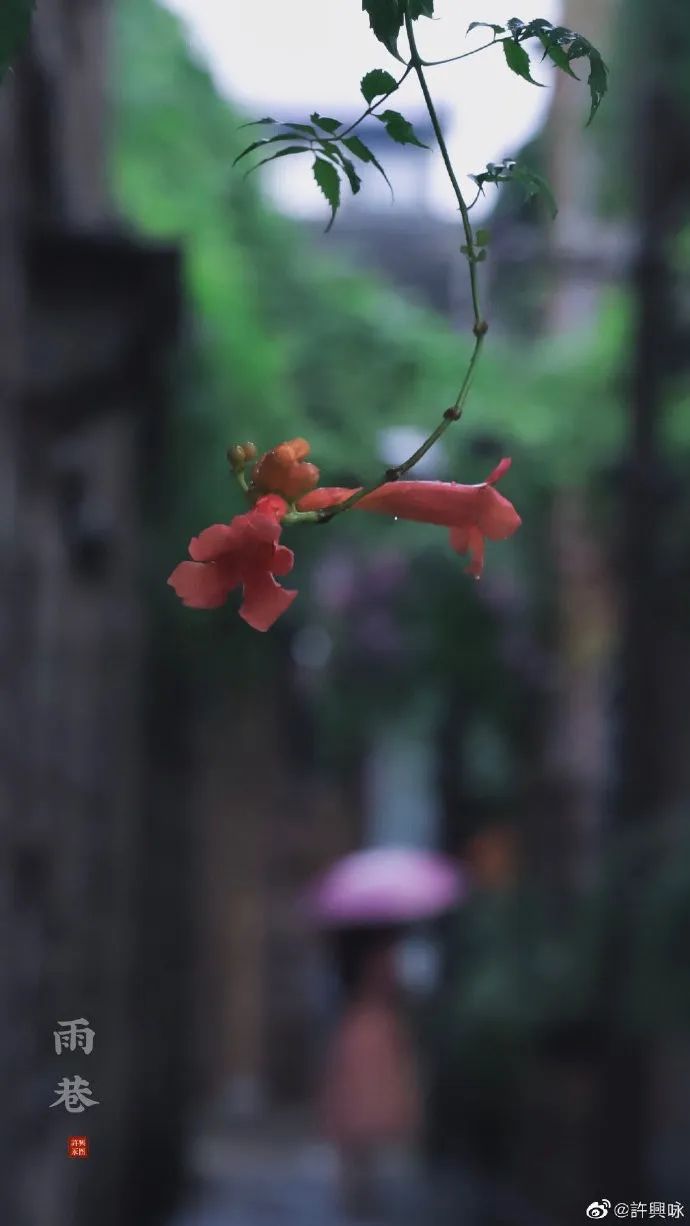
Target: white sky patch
286 60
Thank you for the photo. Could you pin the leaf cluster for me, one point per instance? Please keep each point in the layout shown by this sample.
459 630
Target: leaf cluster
335 144
510 171
559 44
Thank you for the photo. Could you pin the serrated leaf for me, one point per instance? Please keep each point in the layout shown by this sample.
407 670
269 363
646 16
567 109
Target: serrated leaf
562 46
352 176
280 154
400 129
486 25
325 122
515 26
328 181
597 80
557 55
364 153
386 20
15 24
377 83
517 60
266 140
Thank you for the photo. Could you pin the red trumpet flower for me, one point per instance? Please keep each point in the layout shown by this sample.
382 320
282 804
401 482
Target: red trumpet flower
243 553
473 513
246 552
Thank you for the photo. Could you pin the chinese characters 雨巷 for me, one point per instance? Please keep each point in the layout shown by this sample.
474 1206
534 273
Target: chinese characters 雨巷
74 1093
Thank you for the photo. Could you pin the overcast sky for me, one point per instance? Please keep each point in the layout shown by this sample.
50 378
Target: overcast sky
286 60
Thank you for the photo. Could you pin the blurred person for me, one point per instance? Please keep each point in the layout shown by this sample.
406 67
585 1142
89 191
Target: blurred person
369 1100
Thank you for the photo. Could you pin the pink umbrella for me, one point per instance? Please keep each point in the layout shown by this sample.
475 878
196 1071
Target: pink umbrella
385 885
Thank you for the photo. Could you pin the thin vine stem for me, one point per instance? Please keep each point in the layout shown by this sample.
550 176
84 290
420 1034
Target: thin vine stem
453 59
438 132
480 327
370 110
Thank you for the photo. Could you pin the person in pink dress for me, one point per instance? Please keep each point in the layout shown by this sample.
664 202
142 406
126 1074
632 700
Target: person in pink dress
369 1099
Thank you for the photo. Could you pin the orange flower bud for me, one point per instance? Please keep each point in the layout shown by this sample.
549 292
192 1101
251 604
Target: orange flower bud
250 451
283 471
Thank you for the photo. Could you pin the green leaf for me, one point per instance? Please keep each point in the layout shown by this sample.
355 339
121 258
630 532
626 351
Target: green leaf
304 128
562 46
539 26
323 121
328 180
535 185
280 154
331 150
376 83
557 55
474 256
255 122
517 60
352 176
386 20
420 8
15 23
597 80
400 129
363 152
259 144
485 25
510 171
482 238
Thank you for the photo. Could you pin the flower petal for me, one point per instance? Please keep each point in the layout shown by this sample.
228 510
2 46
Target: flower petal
325 496
283 560
282 470
496 516
471 541
201 585
428 502
297 448
264 600
272 505
213 542
501 468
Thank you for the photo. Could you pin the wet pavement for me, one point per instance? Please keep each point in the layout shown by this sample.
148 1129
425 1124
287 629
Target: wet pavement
282 1176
